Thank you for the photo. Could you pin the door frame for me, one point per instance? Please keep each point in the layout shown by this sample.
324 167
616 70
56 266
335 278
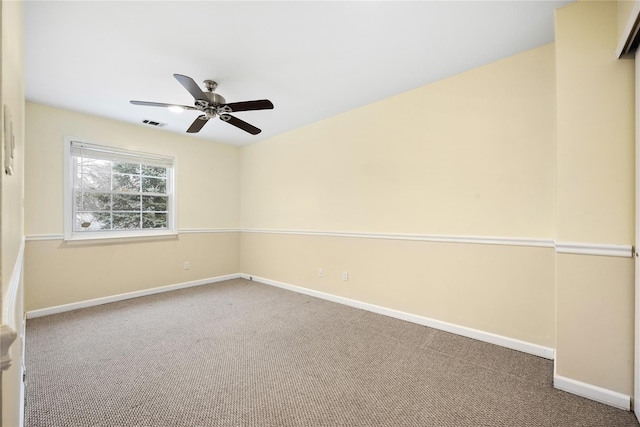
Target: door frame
636 357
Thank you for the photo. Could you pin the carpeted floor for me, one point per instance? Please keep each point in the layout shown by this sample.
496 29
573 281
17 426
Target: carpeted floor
239 353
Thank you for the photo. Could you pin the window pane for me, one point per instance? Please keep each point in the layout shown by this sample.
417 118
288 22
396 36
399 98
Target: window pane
93 201
154 171
118 190
154 185
126 202
126 182
126 220
93 174
89 221
154 203
154 220
130 168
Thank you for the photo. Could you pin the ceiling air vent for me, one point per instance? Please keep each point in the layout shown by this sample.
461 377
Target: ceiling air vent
153 123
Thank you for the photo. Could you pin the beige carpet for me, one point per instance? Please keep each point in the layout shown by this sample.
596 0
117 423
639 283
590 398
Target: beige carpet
239 353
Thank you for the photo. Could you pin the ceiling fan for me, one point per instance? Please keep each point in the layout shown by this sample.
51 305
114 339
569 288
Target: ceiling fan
212 105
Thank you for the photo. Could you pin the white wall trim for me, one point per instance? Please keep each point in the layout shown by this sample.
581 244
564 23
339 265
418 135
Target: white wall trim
23 368
9 328
508 241
625 251
599 394
128 295
636 284
628 33
42 237
514 344
11 297
208 230
577 248
37 237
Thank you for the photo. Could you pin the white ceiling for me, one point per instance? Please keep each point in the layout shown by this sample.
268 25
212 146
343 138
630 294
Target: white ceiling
313 60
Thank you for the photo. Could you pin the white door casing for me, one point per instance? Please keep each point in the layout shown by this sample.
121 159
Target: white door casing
636 371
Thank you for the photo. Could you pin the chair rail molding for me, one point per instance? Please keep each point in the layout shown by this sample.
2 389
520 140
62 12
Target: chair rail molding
579 248
439 238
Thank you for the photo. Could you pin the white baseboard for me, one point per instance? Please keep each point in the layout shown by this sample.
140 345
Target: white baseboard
129 295
23 369
514 344
599 394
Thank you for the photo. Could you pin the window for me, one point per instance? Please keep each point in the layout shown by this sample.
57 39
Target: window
117 192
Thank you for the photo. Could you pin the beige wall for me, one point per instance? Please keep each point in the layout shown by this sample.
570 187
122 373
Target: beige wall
595 127
469 155
595 197
595 300
504 290
207 188
11 194
58 273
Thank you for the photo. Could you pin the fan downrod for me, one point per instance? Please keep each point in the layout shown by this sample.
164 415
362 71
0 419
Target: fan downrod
210 85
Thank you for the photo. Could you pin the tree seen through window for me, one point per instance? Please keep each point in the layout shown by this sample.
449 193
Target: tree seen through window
114 195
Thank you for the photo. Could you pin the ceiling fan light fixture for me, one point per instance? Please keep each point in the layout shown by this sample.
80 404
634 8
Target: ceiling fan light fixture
212 105
176 109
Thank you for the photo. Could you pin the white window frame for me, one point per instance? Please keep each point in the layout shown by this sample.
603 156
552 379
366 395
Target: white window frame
68 210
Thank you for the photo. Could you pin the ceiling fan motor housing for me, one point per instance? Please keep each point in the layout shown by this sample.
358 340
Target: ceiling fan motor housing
212 106
215 99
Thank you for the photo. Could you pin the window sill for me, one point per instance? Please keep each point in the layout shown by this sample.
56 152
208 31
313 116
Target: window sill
120 238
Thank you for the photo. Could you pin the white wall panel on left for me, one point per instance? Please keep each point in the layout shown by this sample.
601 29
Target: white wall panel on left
12 125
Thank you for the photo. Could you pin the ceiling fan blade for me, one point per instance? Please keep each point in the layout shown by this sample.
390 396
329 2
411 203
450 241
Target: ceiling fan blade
162 104
261 104
192 87
240 124
197 124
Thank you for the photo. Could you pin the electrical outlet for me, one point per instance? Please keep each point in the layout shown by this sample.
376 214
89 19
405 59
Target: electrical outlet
345 276
320 273
186 265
